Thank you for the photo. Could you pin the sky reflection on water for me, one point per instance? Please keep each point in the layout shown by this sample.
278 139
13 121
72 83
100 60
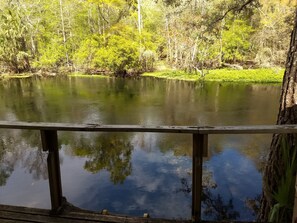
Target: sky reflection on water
136 173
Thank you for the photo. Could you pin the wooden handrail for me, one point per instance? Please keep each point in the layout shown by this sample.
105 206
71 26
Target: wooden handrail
200 134
253 129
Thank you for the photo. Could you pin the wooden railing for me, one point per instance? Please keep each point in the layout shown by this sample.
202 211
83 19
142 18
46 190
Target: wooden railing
199 134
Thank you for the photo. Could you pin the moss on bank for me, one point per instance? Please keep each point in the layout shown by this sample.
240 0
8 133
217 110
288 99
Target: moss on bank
271 75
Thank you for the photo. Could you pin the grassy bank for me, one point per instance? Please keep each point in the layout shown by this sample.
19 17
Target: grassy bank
14 76
87 75
271 75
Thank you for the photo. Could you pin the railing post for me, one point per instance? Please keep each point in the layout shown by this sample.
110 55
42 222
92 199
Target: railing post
199 149
49 140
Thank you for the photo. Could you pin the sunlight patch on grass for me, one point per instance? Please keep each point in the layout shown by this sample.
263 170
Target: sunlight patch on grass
272 75
88 75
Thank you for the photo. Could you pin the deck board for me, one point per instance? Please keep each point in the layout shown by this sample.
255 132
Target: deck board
17 214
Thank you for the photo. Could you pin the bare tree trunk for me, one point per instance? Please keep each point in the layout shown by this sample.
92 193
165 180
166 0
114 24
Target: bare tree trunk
139 16
221 41
63 31
287 115
100 27
169 50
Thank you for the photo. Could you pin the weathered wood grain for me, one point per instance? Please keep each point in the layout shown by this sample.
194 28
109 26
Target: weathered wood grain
49 140
256 129
199 147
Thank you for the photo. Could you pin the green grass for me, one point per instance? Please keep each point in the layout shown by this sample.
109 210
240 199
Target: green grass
272 75
6 76
77 74
174 75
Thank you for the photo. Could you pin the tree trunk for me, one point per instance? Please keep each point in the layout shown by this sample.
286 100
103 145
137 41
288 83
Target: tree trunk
63 32
139 16
274 170
169 50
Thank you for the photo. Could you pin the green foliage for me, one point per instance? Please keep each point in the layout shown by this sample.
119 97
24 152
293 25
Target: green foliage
13 42
147 60
236 42
52 53
85 54
284 196
104 34
120 55
272 30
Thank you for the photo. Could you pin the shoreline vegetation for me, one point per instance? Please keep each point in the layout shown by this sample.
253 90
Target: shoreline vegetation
178 39
260 75
162 39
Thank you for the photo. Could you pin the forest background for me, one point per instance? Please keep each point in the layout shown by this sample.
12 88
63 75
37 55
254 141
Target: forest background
135 36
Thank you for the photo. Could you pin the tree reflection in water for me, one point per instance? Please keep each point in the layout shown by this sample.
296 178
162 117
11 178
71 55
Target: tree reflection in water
254 204
111 152
216 208
21 147
213 205
6 168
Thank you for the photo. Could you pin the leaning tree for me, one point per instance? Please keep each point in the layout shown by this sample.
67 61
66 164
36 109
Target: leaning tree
276 185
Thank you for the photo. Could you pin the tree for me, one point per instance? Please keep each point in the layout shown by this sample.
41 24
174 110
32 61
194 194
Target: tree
272 23
236 42
119 55
13 39
275 169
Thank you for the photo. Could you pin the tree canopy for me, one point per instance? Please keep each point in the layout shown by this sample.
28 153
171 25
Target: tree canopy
126 36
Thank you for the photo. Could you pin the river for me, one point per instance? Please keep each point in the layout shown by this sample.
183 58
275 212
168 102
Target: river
137 173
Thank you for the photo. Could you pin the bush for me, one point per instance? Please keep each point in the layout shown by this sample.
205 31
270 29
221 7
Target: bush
85 54
52 53
120 55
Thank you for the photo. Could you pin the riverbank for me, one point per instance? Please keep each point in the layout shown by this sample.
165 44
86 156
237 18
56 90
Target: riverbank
7 76
269 75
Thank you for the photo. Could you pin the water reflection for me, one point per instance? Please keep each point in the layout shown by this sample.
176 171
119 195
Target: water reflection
149 188
153 177
136 173
237 181
6 167
23 170
145 101
110 152
217 209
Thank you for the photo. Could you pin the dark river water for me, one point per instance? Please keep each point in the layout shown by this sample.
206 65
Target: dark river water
135 173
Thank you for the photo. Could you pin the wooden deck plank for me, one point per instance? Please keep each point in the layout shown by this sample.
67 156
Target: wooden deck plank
71 214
